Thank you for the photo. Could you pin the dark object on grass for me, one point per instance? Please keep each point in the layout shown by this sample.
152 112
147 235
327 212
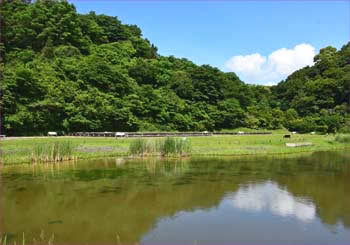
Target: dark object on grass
287 136
55 222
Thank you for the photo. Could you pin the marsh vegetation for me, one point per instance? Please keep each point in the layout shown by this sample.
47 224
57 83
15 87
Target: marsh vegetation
29 150
169 146
56 151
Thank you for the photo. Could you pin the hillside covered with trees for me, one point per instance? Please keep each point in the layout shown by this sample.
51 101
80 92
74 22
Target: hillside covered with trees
67 72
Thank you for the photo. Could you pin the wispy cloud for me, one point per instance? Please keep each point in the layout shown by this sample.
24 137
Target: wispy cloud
259 69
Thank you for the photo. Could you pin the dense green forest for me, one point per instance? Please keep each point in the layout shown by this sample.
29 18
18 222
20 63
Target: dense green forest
67 72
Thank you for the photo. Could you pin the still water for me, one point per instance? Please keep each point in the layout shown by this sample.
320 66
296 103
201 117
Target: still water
301 199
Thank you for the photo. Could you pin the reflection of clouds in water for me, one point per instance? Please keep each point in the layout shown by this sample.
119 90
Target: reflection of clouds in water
256 197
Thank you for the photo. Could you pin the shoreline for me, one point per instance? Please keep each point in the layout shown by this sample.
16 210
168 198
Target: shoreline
18 150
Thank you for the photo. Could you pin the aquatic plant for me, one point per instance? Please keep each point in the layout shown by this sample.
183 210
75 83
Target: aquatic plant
175 146
53 152
165 147
140 147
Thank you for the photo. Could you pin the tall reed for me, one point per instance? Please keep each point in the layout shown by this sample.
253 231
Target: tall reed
175 146
141 147
56 151
169 146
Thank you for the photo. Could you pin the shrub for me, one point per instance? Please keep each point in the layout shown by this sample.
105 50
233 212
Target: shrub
343 139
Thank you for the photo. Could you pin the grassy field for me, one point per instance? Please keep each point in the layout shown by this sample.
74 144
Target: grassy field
20 150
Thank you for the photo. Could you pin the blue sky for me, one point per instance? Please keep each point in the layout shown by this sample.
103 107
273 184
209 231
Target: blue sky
255 39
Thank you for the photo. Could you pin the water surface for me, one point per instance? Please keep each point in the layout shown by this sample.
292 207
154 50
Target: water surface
266 200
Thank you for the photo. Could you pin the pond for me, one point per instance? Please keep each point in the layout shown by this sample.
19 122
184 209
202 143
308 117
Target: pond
287 199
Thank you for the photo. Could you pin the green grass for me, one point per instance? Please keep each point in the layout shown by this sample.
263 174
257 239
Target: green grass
19 150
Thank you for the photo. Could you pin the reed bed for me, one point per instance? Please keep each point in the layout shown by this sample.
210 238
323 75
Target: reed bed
169 146
174 146
141 147
56 151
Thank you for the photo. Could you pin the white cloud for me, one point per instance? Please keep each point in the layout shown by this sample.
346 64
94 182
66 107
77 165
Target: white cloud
258 69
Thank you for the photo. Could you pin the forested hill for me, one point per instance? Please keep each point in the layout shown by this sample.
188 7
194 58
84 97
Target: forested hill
318 95
68 72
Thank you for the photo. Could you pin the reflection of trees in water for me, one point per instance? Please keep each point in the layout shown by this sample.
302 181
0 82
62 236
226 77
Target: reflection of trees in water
327 188
103 209
322 177
330 195
129 197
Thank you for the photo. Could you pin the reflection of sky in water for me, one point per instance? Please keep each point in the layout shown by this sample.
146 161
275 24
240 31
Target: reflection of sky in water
278 218
268 196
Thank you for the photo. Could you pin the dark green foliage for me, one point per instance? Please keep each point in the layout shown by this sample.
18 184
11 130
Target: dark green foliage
68 72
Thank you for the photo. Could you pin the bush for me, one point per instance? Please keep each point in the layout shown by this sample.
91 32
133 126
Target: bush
343 139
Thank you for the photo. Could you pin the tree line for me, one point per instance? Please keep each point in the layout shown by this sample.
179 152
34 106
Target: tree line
67 72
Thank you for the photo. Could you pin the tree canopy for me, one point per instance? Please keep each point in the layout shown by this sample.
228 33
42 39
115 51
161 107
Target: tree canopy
66 71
